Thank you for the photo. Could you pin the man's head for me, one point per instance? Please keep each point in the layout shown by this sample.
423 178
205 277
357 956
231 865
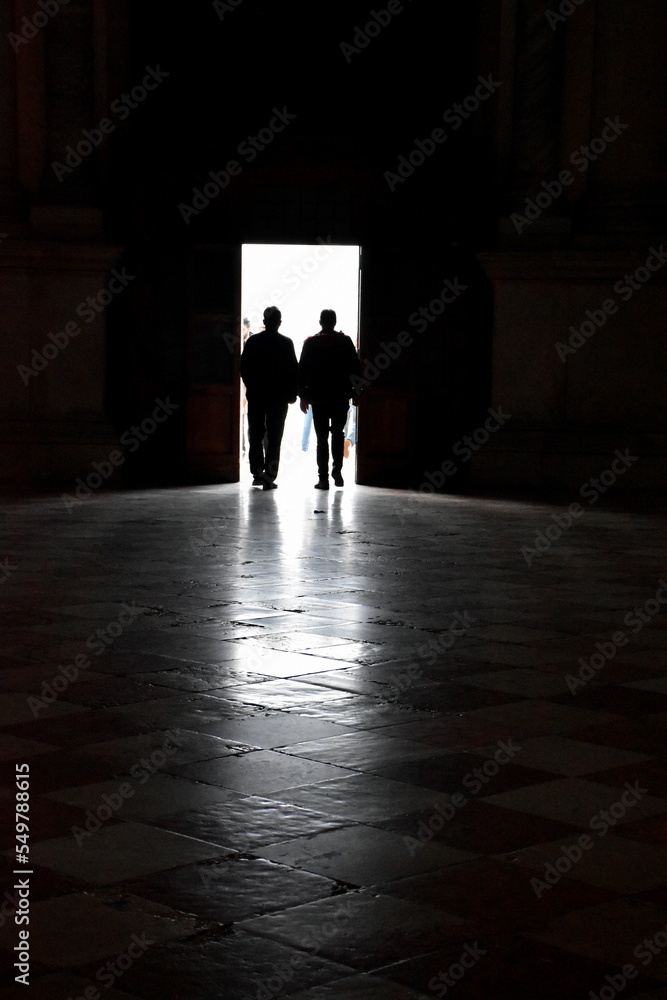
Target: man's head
327 319
272 318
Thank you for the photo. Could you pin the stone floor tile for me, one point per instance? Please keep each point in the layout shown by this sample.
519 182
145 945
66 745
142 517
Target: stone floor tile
16 749
505 901
283 694
58 769
361 855
45 885
362 751
354 652
454 697
450 732
15 708
617 699
611 862
573 758
121 851
515 969
362 930
278 663
363 713
165 643
202 677
476 826
362 798
179 746
344 678
142 794
47 820
246 822
272 729
520 681
92 725
304 639
650 772
534 717
262 772
61 984
655 684
464 773
575 800
653 830
148 666
512 634
355 988
73 930
231 967
620 931
180 712
646 735
232 889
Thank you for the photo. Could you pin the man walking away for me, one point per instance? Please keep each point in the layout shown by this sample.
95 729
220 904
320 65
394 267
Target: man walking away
269 370
328 362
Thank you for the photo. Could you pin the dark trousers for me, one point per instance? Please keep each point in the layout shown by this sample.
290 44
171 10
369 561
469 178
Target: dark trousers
329 417
265 419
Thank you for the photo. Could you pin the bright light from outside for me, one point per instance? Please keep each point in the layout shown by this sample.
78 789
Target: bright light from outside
301 280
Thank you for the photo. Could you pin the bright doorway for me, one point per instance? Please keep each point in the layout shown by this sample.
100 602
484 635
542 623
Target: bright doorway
301 280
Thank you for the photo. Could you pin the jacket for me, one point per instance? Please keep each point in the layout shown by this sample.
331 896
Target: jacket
328 361
269 368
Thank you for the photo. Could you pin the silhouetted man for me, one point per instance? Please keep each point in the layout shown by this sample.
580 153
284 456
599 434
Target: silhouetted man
328 362
269 370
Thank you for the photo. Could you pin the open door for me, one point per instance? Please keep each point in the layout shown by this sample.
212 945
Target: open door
385 412
301 279
214 348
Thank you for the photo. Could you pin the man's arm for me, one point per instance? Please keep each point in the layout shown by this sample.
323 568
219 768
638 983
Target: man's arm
247 367
304 370
292 371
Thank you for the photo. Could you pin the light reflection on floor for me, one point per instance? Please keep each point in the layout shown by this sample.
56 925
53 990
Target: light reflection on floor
350 744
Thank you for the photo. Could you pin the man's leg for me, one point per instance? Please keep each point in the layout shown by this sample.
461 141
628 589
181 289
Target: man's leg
275 425
321 425
338 417
256 432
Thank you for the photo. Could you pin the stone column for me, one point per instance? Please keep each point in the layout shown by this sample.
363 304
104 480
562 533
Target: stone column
578 315
531 71
10 191
67 201
53 367
626 191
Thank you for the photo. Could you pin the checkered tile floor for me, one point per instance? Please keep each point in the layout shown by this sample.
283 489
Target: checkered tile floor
334 746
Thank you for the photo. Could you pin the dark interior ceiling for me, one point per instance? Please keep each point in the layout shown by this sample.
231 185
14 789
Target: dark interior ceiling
357 110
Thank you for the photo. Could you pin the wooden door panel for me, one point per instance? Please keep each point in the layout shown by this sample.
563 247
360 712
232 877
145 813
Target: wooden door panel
384 435
213 432
213 364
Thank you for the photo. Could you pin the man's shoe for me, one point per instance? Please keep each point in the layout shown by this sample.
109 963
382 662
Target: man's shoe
322 484
258 481
337 478
268 485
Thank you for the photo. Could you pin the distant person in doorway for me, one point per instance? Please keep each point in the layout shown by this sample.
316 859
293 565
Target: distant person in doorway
307 427
269 370
350 431
328 362
244 402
